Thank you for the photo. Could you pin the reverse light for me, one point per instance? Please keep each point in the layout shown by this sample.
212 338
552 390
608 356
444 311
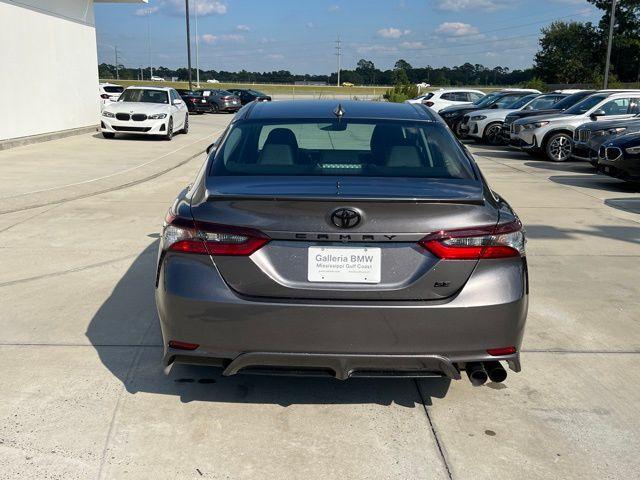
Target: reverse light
498 352
108 114
157 116
499 241
185 235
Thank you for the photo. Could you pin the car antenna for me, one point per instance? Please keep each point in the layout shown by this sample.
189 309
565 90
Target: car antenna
339 111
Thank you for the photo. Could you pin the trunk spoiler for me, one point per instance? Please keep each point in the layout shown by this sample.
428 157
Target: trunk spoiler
340 198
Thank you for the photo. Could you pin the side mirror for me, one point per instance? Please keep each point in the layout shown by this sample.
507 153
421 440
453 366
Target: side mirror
598 113
211 148
177 101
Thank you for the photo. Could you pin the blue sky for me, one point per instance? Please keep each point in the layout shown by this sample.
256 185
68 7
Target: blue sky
299 35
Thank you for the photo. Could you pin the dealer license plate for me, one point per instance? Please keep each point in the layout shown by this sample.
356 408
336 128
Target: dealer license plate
344 264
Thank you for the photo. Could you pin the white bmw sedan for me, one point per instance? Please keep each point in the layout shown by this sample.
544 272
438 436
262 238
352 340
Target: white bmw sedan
146 111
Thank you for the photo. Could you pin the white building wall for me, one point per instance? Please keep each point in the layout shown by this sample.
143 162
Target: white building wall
48 67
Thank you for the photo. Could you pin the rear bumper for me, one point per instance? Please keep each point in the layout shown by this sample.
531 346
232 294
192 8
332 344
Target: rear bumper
340 338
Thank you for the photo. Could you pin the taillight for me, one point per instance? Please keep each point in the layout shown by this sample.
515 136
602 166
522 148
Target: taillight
187 236
429 104
193 100
227 99
104 95
500 241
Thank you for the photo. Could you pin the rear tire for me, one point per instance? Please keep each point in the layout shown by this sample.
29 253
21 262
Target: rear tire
108 134
559 147
169 135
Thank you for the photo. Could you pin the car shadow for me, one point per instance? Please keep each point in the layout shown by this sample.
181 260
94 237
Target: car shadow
631 205
126 136
611 232
595 181
126 325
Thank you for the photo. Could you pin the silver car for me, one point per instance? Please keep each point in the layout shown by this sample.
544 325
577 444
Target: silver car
552 135
345 240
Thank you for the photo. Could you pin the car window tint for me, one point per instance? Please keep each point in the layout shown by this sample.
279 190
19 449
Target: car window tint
473 97
109 89
619 106
353 147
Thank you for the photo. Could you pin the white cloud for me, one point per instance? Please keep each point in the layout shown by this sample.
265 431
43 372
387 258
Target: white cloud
375 49
412 45
141 12
459 5
333 9
275 56
456 29
392 32
265 40
243 28
205 7
211 39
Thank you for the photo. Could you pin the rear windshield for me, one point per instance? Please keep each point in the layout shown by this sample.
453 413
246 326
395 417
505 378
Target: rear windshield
362 148
109 89
145 96
571 100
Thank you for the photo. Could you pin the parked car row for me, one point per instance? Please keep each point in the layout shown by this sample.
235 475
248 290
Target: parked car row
164 111
602 127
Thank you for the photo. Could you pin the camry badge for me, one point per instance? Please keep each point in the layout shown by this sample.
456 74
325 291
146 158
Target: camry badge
345 218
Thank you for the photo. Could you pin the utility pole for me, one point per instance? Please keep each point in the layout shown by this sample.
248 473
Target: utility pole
197 53
338 54
141 74
608 62
186 3
117 69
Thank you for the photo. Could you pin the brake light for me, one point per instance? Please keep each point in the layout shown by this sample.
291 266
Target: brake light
498 352
429 104
193 100
227 99
500 241
104 95
185 235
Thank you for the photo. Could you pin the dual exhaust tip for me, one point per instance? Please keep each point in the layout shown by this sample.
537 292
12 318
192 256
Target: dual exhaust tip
479 372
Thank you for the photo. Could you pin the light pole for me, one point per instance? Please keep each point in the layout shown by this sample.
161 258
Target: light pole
608 61
186 3
148 14
197 42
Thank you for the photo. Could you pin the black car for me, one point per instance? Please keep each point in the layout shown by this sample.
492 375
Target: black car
588 138
222 101
194 100
567 102
501 99
247 95
620 158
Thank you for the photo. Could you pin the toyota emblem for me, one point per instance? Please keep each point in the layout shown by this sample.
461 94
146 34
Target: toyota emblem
345 217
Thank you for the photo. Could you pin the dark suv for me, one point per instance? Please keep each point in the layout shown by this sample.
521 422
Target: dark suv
194 101
248 95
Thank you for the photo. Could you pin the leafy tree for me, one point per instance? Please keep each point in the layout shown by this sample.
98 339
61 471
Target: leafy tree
567 52
402 65
625 51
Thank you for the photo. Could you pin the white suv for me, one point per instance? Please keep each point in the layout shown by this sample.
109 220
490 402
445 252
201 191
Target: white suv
553 134
442 98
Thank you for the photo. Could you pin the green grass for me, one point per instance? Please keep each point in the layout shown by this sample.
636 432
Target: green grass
269 89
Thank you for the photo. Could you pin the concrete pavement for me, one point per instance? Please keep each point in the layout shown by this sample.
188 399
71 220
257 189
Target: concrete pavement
82 393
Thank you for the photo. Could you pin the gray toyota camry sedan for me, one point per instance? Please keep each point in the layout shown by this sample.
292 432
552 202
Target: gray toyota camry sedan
351 240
